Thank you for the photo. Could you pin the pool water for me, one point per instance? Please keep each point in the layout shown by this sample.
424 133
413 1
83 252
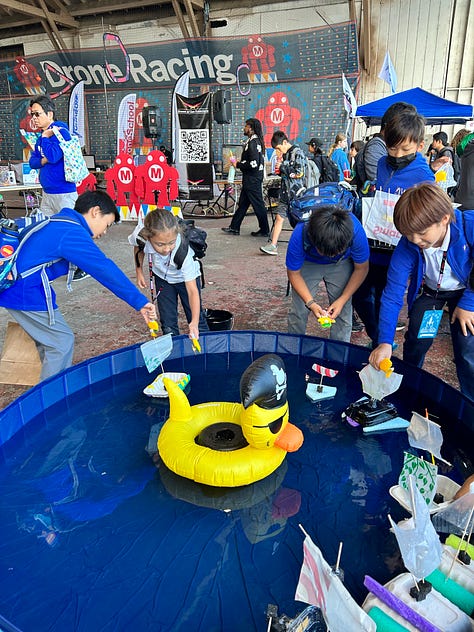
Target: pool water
97 535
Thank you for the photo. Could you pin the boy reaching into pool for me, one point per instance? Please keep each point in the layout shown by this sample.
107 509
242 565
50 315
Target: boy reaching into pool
53 249
160 240
330 247
435 255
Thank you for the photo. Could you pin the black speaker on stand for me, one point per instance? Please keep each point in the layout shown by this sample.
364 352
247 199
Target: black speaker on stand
151 121
222 106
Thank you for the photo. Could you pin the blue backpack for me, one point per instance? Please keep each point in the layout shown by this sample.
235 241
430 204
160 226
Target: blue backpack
327 193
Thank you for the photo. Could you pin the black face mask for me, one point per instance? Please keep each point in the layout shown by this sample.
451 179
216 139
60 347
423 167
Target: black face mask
400 162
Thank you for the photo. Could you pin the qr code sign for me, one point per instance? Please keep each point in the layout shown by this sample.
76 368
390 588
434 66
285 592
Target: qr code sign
194 145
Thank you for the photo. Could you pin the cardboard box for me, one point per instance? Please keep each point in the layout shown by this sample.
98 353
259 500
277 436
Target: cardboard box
29 175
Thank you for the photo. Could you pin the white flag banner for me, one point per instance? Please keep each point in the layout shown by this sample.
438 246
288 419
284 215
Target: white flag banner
126 124
320 586
350 103
76 113
181 87
388 74
426 435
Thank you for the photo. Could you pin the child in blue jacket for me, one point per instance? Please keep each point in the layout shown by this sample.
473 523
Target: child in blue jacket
435 255
66 239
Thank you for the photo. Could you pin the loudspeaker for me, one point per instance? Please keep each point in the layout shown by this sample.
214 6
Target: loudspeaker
151 121
222 106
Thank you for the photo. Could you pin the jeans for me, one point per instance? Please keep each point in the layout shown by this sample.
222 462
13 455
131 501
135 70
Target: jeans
415 349
167 302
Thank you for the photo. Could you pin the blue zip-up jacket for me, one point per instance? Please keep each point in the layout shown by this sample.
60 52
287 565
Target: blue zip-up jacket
399 180
407 264
69 242
340 158
51 174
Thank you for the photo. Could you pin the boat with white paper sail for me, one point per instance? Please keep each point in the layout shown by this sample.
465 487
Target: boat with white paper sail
437 490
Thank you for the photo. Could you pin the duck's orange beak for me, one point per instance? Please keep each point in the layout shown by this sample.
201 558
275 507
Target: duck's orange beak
290 439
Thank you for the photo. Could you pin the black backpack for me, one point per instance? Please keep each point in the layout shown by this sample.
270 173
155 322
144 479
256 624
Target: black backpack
327 168
195 237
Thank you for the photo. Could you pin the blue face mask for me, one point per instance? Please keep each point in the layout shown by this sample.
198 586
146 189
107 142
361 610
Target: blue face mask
400 162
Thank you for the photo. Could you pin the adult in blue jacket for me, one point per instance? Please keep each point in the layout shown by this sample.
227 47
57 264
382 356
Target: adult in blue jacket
435 255
330 247
48 157
66 239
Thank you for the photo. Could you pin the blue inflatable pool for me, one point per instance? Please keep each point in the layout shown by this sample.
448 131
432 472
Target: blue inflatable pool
97 534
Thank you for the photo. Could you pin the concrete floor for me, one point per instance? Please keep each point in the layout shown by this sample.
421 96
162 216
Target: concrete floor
238 278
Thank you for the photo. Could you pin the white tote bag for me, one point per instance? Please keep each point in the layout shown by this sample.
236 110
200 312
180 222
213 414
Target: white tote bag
75 168
377 217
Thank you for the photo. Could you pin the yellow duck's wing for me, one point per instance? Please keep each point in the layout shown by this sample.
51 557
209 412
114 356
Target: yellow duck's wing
180 409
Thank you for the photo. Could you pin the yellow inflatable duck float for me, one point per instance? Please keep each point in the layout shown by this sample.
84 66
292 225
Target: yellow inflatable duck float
227 444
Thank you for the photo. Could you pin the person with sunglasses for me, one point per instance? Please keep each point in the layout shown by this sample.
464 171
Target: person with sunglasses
47 157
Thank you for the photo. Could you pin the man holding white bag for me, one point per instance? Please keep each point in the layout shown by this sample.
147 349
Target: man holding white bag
48 157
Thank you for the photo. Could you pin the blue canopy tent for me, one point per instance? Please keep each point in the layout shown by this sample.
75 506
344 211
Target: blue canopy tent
437 111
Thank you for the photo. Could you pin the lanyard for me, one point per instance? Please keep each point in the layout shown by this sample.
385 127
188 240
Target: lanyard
441 271
152 284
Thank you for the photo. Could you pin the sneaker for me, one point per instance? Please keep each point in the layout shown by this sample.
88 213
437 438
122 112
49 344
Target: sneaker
400 326
80 275
269 249
259 233
230 231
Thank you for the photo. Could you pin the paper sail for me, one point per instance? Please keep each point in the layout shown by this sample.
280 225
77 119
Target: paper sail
155 351
322 370
457 517
418 541
424 474
375 383
426 435
320 586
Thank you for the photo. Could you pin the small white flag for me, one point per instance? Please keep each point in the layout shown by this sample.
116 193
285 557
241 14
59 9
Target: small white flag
350 103
388 74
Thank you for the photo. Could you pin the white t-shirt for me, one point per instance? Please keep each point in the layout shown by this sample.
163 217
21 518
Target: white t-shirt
433 260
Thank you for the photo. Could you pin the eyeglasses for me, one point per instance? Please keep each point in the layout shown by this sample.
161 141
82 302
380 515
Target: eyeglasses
36 114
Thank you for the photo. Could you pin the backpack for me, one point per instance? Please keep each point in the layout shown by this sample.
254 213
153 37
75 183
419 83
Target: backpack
327 168
12 240
328 193
191 236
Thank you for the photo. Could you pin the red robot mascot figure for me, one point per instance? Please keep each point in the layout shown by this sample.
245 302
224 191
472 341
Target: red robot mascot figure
156 182
279 115
120 181
28 76
140 144
259 56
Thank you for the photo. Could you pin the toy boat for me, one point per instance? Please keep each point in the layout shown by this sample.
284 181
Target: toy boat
434 609
157 388
444 486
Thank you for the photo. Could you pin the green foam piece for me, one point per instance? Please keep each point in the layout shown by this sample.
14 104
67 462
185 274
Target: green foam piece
456 594
384 622
454 540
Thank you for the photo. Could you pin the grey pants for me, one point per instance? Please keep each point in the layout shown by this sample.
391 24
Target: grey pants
335 277
55 343
52 203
